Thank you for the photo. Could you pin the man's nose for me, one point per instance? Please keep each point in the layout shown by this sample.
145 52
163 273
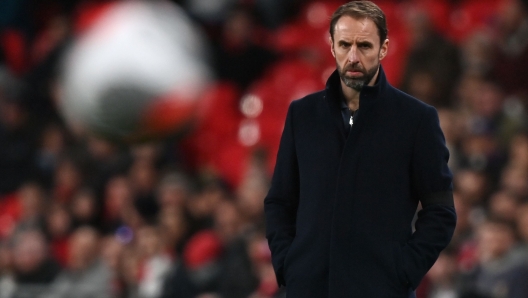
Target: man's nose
353 55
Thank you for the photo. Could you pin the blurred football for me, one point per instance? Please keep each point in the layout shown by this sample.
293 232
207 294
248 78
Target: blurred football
137 73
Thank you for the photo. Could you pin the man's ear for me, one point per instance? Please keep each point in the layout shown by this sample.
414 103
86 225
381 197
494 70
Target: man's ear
331 45
384 49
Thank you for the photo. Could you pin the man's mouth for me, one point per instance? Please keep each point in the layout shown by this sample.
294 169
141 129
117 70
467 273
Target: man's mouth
354 73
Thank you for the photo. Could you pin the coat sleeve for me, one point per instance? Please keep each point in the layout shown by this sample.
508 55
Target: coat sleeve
432 185
280 205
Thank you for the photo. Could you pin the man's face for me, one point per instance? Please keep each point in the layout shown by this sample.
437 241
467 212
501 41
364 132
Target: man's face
357 50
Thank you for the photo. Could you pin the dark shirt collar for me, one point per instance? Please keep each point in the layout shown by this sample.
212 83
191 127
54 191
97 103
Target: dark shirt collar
342 99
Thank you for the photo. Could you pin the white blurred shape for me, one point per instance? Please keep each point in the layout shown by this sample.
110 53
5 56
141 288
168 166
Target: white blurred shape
135 53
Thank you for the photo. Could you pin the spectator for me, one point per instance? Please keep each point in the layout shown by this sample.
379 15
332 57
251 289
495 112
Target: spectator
250 192
143 176
477 55
52 146
86 275
83 209
236 51
155 262
202 205
58 228
17 136
500 268
260 256
522 228
118 199
111 251
32 202
464 227
515 180
68 178
174 227
442 276
128 271
7 283
503 205
471 185
518 150
511 57
174 190
433 67
34 269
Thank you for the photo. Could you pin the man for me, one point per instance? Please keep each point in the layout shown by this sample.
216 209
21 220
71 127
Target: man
501 268
511 52
86 275
34 270
354 162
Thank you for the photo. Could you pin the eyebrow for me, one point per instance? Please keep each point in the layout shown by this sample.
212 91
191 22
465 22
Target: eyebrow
362 42
365 42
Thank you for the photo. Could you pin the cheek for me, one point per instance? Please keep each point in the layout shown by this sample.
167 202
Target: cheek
341 59
372 56
339 55
371 59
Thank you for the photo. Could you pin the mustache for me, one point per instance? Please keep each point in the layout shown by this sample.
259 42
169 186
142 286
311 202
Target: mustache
354 68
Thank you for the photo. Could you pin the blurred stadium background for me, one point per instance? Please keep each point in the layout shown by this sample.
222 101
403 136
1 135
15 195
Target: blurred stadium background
181 216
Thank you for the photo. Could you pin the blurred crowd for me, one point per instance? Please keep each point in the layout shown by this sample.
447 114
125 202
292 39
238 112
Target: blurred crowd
183 216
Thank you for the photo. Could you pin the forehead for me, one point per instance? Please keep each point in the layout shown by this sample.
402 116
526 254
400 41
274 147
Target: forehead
348 27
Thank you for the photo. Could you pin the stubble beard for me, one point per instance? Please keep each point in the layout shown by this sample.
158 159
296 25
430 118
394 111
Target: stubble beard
358 82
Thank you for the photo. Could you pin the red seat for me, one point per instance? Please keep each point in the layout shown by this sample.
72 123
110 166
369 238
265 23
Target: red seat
470 16
218 120
394 62
15 50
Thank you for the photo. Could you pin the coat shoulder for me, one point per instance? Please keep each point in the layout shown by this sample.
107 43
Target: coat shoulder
309 100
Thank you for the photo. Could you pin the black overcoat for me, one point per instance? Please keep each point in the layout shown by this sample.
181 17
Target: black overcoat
341 204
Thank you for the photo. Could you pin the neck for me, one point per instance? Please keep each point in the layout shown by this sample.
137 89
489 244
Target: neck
352 95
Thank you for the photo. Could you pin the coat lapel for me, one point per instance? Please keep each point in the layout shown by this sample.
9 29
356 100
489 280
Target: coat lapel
334 107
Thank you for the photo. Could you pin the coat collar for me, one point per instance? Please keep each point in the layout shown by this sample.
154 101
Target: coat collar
369 96
368 93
